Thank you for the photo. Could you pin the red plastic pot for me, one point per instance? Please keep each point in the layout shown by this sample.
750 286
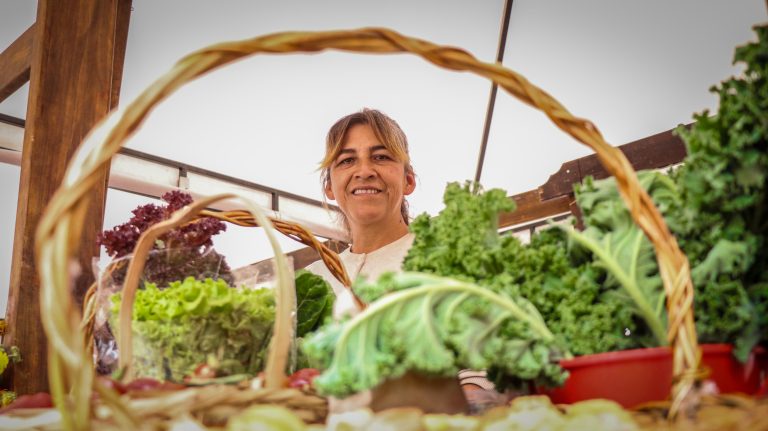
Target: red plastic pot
632 377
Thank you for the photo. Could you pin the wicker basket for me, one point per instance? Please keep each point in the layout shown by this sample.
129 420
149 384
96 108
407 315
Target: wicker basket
72 382
240 218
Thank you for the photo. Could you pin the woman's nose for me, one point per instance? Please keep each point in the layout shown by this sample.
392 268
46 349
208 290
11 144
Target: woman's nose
365 169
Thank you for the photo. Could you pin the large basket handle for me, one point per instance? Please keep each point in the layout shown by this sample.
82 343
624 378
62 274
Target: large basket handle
59 227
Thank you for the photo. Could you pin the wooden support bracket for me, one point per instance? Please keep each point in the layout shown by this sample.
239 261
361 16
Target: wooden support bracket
15 63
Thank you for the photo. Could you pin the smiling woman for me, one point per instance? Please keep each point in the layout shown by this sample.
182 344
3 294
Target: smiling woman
367 170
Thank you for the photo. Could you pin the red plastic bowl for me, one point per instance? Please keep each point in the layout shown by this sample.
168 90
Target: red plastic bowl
632 377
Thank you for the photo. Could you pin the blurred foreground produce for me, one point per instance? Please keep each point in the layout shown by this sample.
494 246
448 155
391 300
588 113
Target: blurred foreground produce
716 413
534 413
524 414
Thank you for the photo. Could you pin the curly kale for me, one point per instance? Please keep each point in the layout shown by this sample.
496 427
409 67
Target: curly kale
722 225
463 241
566 288
436 326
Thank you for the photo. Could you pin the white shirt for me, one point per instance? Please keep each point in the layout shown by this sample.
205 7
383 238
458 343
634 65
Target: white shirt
370 265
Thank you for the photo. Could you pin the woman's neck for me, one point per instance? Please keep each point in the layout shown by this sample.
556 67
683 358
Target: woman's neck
368 239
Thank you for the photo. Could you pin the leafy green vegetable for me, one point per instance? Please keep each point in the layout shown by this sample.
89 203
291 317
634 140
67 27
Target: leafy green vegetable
569 292
436 326
621 248
722 225
462 242
314 302
176 329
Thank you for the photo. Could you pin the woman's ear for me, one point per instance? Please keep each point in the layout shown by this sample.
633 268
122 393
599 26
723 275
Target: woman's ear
410 184
329 192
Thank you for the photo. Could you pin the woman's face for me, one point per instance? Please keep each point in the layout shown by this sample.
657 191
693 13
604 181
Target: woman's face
367 182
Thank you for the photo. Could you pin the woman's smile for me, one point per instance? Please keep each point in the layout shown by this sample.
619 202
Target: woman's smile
365 191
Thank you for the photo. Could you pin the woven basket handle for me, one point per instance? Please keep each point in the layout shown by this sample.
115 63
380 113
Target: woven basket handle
298 233
285 293
59 227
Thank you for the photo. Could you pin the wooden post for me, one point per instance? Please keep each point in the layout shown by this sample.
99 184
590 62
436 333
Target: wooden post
76 66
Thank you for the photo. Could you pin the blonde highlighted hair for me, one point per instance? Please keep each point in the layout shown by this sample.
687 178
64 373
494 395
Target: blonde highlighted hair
386 130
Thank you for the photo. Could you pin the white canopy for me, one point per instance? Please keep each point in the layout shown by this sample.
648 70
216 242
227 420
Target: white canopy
633 68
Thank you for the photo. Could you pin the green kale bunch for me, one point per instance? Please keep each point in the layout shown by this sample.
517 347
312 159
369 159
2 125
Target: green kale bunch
616 245
463 242
722 224
715 205
570 292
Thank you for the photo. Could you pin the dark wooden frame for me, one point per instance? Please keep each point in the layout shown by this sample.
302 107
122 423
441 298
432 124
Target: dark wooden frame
73 58
556 195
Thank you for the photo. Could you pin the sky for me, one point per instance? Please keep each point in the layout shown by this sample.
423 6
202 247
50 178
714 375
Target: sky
633 68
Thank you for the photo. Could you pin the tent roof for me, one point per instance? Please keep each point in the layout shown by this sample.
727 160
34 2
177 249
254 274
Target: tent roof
633 68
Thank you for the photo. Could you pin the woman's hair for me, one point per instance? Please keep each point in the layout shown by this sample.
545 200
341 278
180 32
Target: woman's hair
386 130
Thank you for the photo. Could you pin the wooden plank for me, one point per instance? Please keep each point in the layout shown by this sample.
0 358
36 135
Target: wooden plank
531 207
304 256
78 46
301 257
556 195
15 62
653 152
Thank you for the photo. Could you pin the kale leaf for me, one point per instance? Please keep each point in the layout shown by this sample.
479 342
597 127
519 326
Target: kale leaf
436 326
621 248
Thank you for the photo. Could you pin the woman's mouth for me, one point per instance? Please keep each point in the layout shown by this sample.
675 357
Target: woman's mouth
365 191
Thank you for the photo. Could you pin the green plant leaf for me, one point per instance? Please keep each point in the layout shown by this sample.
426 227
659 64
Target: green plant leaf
436 326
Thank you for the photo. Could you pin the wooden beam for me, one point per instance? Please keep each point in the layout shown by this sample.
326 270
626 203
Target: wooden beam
304 256
531 207
556 195
654 152
76 64
301 258
15 62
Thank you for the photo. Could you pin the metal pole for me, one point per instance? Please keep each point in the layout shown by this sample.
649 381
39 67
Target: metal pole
492 98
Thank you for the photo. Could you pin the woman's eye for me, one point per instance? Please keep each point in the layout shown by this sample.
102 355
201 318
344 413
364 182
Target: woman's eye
381 157
345 161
